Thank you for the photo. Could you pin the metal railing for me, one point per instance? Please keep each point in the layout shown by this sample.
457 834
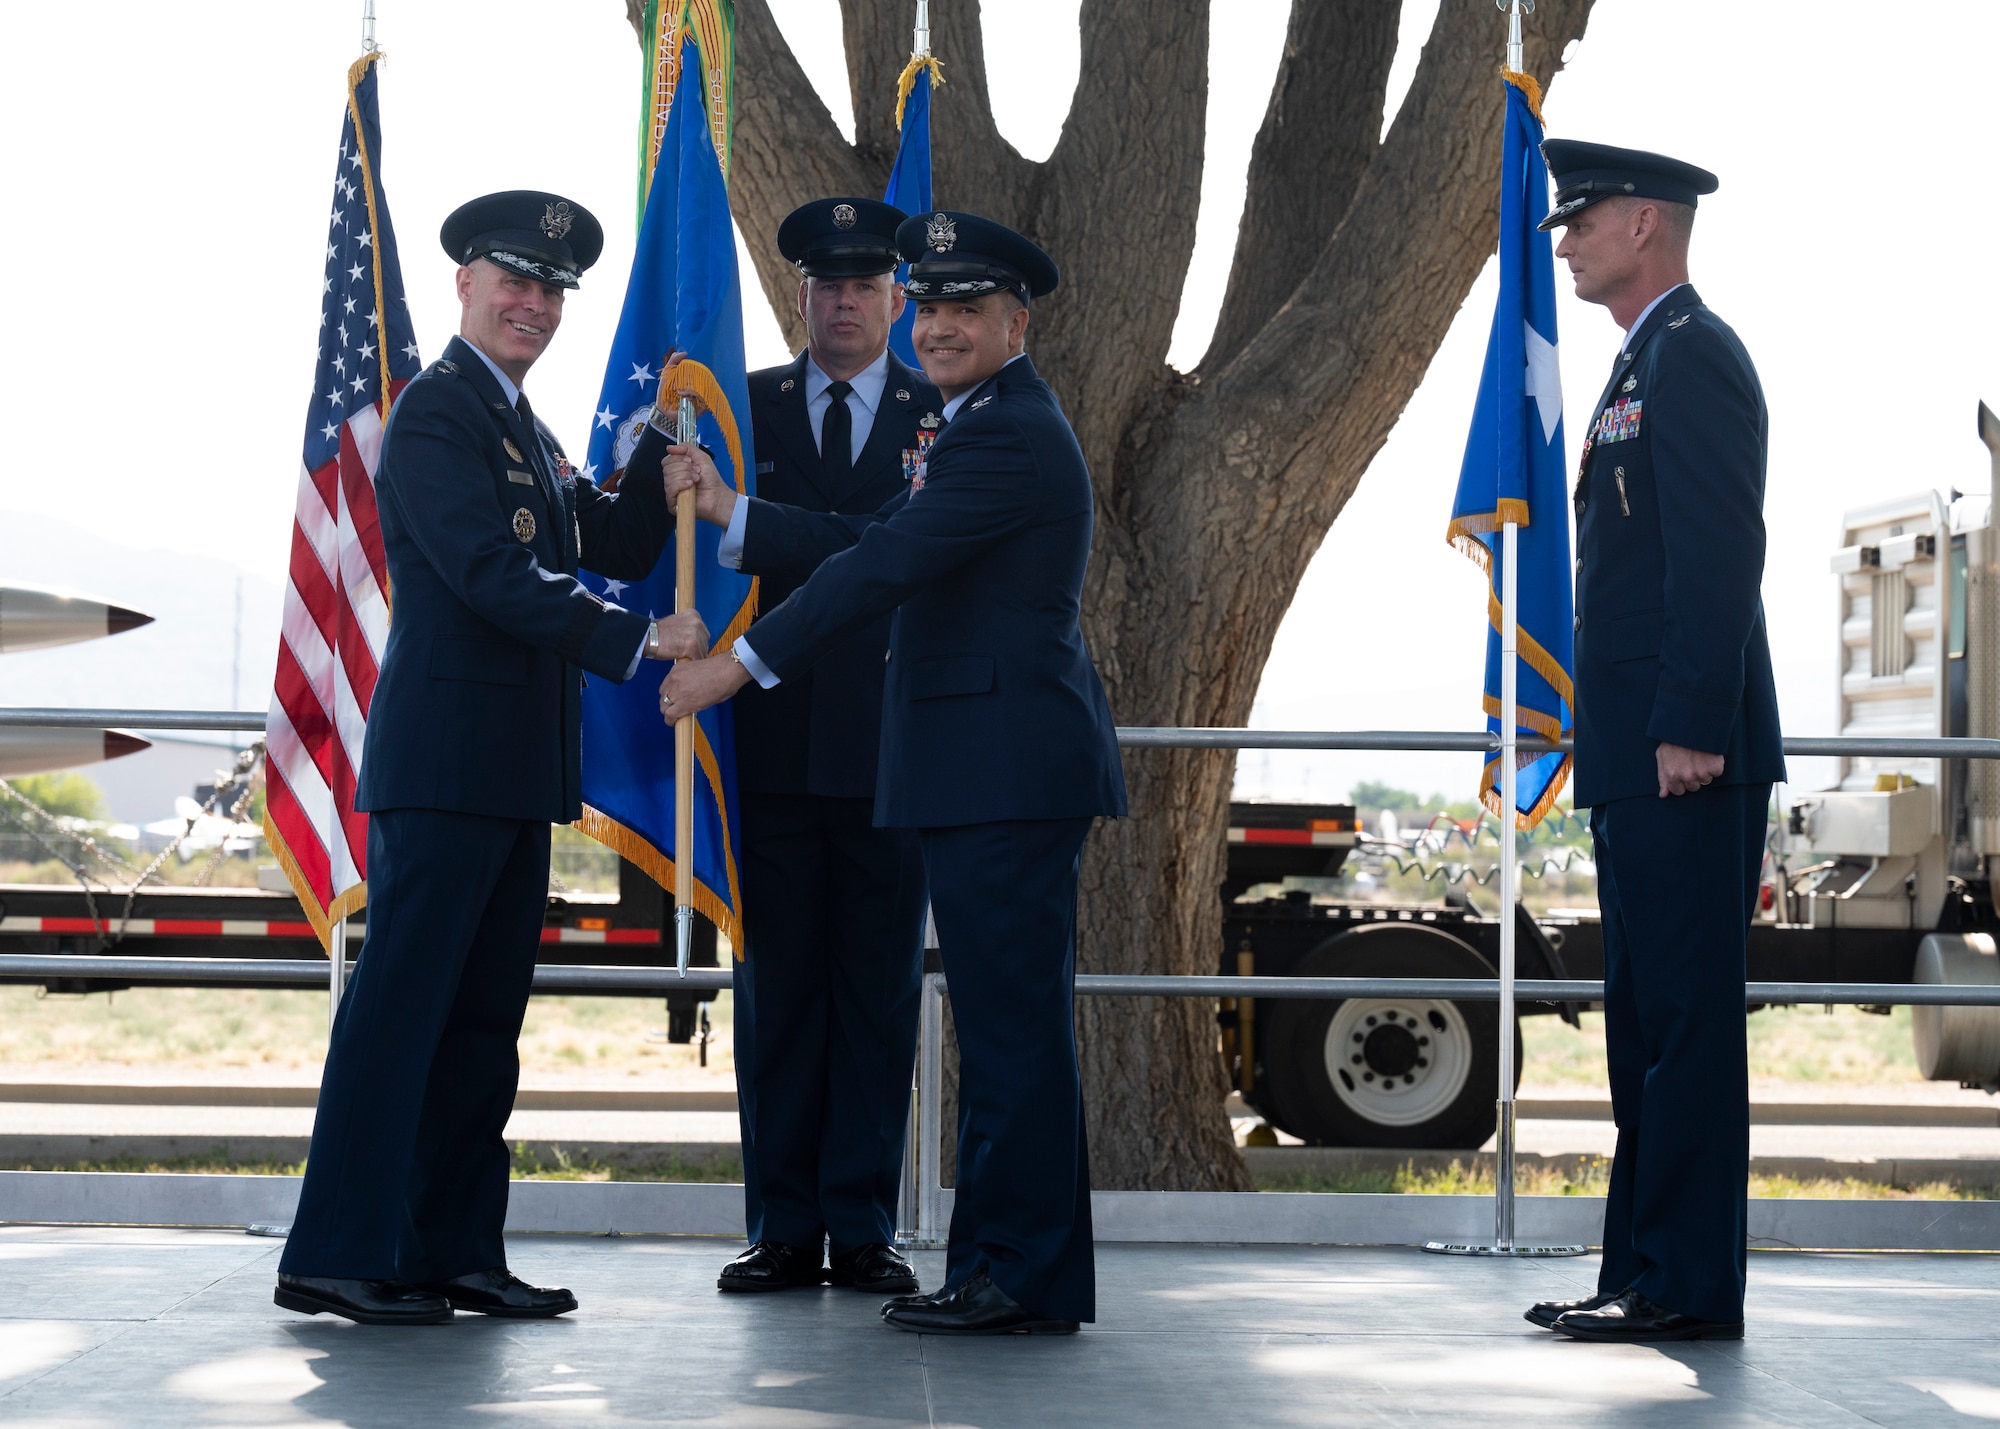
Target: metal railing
1130 736
595 978
922 1218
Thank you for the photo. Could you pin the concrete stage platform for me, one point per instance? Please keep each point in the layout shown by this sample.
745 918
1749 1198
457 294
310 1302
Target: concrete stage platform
133 1327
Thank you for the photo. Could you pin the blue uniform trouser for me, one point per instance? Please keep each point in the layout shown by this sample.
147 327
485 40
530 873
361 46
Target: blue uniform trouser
825 1018
1004 897
407 1178
1677 886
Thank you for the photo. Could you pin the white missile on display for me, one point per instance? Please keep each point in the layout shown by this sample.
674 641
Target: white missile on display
34 750
32 618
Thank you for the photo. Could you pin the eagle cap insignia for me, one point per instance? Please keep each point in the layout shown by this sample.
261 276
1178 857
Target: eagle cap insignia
556 220
512 450
843 215
524 525
941 232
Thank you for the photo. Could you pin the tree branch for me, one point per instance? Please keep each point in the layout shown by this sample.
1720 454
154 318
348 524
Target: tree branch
786 151
1322 127
1116 207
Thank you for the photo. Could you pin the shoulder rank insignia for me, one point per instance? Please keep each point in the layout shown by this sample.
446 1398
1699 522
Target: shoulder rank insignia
930 422
512 450
1679 322
445 365
902 394
524 525
786 385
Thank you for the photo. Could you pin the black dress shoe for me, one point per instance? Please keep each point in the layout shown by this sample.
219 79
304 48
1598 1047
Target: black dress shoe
978 1307
876 1268
1545 1313
772 1265
500 1292
1632 1318
366 1302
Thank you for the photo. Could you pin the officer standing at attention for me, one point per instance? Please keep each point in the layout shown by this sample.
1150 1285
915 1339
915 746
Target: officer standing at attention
997 747
1677 742
473 750
827 992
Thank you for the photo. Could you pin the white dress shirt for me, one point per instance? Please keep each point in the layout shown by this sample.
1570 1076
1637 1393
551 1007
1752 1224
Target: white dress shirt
759 671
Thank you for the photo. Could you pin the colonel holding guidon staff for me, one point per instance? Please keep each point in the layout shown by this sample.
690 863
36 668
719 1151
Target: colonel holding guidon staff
997 749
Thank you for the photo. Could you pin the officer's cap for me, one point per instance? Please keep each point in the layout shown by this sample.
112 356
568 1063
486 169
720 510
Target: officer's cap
961 255
841 237
1585 173
540 236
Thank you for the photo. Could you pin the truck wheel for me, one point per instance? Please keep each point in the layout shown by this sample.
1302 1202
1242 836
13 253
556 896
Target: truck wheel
1415 1072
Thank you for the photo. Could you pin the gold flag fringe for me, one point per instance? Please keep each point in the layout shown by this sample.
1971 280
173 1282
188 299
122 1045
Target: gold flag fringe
348 902
657 866
1531 90
907 81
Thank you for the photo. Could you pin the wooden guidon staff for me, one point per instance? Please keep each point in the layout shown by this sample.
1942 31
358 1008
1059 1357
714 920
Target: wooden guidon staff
687 434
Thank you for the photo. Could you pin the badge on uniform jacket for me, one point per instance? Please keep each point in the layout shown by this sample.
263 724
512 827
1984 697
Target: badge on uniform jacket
565 473
1619 422
916 459
512 450
524 525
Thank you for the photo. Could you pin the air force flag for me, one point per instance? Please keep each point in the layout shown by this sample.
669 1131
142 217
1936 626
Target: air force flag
1514 471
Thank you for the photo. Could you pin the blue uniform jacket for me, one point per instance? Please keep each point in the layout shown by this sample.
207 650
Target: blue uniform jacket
991 709
819 733
478 708
1670 643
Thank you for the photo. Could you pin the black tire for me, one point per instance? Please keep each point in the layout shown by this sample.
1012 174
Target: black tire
1409 1072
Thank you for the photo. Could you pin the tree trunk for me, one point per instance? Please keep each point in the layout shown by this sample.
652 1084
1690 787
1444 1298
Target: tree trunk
1214 487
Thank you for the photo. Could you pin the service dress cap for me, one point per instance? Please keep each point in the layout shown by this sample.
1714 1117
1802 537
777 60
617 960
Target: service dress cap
961 255
842 237
1587 173
541 236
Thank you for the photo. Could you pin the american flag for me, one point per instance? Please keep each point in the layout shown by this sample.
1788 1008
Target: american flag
337 601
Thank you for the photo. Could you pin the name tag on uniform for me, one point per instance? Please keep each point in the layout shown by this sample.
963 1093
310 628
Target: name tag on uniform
1619 422
520 478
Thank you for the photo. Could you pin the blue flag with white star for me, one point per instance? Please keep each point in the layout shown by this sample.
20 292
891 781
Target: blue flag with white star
1513 471
910 180
683 296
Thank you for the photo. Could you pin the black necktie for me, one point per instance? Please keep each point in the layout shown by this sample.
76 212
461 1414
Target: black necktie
836 438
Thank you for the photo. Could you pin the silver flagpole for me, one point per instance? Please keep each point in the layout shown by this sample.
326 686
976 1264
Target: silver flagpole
921 41
336 985
1510 870
368 25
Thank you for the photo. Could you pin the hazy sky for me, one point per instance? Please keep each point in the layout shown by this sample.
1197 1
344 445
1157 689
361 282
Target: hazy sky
169 180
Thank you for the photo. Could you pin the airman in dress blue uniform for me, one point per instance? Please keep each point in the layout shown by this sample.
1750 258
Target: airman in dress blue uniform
997 748
1677 742
827 992
472 751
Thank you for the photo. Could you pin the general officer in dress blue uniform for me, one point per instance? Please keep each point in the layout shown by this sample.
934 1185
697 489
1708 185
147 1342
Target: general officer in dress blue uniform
827 992
997 747
472 751
1677 742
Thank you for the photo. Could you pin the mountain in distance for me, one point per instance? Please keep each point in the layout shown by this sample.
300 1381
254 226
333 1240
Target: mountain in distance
183 660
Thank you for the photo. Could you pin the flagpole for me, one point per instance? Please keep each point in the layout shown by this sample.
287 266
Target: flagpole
1510 887
684 526
920 43
1503 1242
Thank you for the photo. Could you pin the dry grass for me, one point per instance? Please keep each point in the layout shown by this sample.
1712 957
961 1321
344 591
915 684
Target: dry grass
1787 1045
281 1035
1593 1178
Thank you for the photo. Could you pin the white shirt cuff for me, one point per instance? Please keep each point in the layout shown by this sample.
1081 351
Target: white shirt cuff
639 655
759 671
729 550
